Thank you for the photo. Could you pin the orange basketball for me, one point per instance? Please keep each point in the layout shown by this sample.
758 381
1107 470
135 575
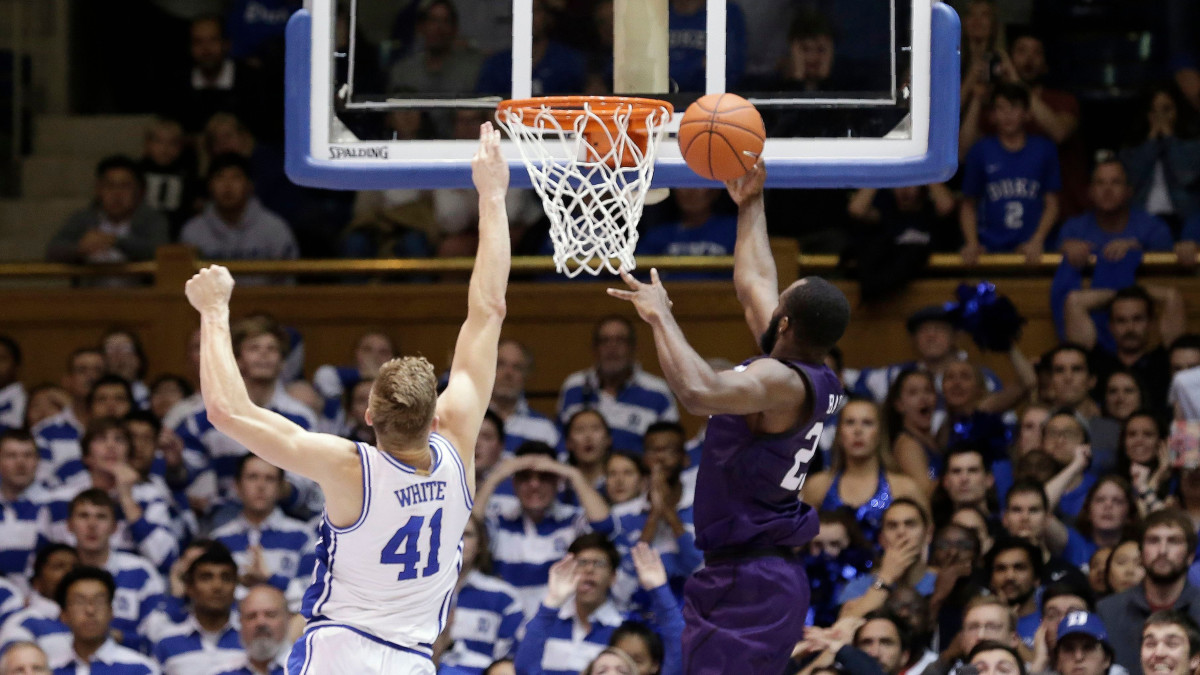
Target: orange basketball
716 133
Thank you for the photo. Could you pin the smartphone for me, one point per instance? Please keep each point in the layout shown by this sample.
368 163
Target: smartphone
1183 445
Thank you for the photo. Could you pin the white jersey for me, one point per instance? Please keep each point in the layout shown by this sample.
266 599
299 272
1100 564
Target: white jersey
391 574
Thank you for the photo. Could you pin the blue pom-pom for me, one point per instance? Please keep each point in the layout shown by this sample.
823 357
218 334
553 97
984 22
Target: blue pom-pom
989 318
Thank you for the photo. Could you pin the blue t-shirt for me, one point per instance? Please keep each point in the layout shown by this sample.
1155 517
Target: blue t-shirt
688 35
1152 233
716 236
251 23
1191 229
562 70
1011 188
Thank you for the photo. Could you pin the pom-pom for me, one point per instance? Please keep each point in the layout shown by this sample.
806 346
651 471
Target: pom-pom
989 318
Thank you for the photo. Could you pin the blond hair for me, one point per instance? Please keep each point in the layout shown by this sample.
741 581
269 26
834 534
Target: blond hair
404 397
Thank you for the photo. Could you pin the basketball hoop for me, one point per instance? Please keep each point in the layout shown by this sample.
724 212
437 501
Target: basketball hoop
591 159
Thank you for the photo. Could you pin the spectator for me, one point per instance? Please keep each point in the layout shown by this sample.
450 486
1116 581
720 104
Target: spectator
994 658
526 542
166 391
514 364
125 357
1010 184
588 442
967 482
909 407
642 644
1014 570
45 401
24 658
170 172
269 547
556 67
1113 228
904 538
225 133
886 638
1027 516
264 617
118 227
1072 382
1168 549
1170 644
700 231
1162 163
235 224
444 65
688 37
810 63
629 398
487 610
86 595
1064 440
373 349
896 229
1124 568
988 620
1130 311
23 515
255 26
39 621
1058 601
611 660
1123 396
209 633
12 392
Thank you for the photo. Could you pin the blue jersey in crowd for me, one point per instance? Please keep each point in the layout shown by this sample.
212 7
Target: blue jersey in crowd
1011 188
1151 233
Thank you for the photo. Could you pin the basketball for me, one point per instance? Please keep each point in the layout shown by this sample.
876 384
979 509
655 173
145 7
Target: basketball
717 132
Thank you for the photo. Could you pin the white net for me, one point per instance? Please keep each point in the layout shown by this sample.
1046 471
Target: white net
591 175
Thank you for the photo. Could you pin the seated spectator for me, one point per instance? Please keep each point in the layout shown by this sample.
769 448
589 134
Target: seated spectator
39 621
264 616
576 618
87 596
1065 439
699 231
225 133
1010 184
1162 162
811 62
1113 228
905 535
988 620
644 647
1027 516
526 542
1072 381
1168 541
170 172
556 68
974 519
629 398
994 658
24 519
588 442
235 225
611 660
1170 643
862 476
909 408
1123 396
975 416
967 482
896 230
207 640
57 436
687 28
372 350
886 638
442 65
1014 572
125 357
269 547
45 401
487 611
514 364
13 397
1123 569
166 391
1109 515
24 658
118 227
1058 600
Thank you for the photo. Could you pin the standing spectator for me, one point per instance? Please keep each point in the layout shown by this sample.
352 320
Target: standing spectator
87 595
1113 228
556 67
170 172
1170 644
1168 549
125 357
443 65
39 621
209 633
1162 164
235 224
699 231
372 350
23 515
12 393
629 398
897 230
514 363
1014 571
1010 184
904 540
264 616
118 227
215 82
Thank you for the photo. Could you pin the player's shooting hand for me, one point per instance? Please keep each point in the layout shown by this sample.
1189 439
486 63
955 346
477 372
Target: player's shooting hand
209 289
649 565
650 299
564 576
489 171
750 186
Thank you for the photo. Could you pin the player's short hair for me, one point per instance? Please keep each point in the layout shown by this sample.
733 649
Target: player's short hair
97 428
246 459
93 497
1026 486
14 349
1007 543
1064 588
642 469
215 553
254 326
108 381
993 646
1012 92
1134 292
404 397
1173 517
84 573
42 558
818 313
639 630
1175 617
120 163
598 542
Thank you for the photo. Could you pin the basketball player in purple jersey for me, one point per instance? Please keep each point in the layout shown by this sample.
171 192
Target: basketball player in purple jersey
745 609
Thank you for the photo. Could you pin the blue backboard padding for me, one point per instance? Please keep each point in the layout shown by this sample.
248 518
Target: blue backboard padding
937 165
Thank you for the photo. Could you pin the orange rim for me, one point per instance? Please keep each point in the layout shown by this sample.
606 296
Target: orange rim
570 108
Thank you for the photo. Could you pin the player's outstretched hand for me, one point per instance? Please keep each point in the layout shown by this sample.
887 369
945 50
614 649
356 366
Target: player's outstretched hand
649 565
209 289
650 299
488 168
564 577
745 189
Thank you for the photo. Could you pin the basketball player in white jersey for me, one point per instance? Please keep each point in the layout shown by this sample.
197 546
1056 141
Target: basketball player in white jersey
390 547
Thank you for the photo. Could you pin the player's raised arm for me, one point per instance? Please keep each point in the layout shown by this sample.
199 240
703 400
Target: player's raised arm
754 275
320 457
461 406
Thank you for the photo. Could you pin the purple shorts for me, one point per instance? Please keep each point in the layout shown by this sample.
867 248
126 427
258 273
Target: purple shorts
744 616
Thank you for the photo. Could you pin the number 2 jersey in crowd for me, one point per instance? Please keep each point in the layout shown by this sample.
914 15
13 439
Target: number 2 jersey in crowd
747 488
391 574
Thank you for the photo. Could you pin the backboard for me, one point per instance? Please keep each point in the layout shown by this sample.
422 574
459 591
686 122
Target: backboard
853 94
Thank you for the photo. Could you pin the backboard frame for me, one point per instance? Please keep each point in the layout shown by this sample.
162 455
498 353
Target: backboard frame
930 155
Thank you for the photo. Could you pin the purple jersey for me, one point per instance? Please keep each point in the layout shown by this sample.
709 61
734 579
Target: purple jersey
747 489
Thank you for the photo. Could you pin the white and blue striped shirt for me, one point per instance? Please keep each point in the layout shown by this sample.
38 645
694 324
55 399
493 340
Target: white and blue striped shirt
527 424
57 439
556 643
140 591
154 536
24 523
287 546
184 648
487 615
39 623
642 401
110 659
12 406
12 599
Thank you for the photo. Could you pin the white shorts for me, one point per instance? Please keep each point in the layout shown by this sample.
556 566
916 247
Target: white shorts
327 649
